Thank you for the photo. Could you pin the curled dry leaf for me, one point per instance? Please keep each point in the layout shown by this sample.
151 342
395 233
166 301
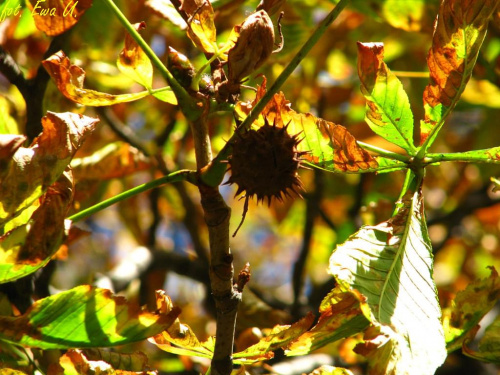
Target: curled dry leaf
70 78
54 17
32 170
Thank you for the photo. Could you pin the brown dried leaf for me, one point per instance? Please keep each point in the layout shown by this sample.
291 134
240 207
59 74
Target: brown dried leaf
32 170
54 17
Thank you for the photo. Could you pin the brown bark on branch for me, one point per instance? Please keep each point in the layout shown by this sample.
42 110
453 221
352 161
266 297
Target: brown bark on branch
225 294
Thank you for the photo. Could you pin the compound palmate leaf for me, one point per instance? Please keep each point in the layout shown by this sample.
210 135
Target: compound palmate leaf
459 33
391 264
388 110
84 316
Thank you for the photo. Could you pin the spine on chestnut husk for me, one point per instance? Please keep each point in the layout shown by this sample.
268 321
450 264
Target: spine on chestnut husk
264 163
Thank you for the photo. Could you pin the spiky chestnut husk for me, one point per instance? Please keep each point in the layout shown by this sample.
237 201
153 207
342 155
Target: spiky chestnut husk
264 163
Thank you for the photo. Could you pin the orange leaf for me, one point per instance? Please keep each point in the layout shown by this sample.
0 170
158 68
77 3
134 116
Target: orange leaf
459 33
69 80
54 17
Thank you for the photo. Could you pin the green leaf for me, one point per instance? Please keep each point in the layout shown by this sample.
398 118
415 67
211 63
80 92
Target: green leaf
391 264
343 314
388 110
489 155
84 316
458 35
165 95
469 307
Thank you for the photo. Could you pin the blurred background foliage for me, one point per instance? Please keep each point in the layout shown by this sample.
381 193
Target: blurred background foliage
159 240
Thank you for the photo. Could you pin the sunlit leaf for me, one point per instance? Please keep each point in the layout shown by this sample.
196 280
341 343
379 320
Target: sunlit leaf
11 371
133 62
327 145
32 170
279 337
459 33
469 307
201 27
166 10
29 246
114 160
84 316
79 362
179 338
388 110
136 361
54 17
70 78
343 314
165 95
391 264
387 352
